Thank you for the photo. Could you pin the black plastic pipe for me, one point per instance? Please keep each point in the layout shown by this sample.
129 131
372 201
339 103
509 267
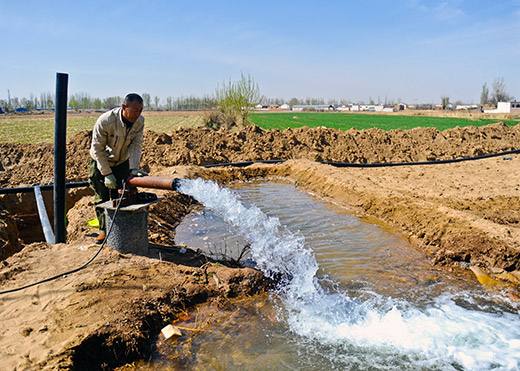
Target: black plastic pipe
60 152
45 187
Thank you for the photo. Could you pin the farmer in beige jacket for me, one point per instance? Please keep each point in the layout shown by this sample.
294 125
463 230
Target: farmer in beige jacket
117 139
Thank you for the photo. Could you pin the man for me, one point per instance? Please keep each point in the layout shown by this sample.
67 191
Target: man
117 139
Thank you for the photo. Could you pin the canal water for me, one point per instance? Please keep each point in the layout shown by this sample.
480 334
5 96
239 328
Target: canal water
353 295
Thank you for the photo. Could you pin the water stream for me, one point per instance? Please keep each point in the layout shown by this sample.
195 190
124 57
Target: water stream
353 296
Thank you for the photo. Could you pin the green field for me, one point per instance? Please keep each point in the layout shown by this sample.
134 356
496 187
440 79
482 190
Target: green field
40 128
345 121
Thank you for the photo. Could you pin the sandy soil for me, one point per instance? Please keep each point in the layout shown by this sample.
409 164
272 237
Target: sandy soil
110 313
27 164
463 216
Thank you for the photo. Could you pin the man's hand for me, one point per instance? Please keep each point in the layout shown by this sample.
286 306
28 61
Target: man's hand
111 181
138 172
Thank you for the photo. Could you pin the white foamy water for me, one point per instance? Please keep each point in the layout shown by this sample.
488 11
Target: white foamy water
443 334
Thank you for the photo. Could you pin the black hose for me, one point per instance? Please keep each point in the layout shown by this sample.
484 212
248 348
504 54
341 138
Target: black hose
44 187
85 183
373 164
52 278
414 163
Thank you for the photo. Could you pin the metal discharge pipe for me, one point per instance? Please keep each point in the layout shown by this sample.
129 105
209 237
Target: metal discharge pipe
60 151
155 182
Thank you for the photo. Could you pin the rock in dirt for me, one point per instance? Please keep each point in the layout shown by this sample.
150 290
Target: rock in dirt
170 331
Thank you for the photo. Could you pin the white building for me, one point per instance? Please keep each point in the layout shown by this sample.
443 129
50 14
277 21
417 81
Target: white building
467 107
285 107
505 107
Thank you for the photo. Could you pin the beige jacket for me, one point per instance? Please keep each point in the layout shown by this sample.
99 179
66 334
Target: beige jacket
113 144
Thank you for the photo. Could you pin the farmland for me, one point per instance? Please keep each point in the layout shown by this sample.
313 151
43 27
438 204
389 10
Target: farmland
39 128
344 121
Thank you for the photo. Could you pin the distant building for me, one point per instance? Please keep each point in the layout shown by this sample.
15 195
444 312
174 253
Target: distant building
466 107
314 107
260 107
505 107
285 107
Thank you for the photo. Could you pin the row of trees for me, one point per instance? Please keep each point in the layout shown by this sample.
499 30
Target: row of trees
497 94
84 101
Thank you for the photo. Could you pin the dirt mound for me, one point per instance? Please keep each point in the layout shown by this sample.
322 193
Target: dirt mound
26 164
106 315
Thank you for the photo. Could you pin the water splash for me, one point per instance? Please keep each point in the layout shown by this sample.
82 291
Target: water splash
443 334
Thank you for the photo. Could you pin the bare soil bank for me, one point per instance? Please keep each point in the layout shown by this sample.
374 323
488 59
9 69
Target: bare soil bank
110 313
462 215
27 164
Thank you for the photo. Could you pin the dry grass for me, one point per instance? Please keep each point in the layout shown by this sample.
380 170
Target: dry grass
40 128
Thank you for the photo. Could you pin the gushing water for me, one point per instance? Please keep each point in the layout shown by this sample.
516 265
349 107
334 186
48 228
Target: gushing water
442 334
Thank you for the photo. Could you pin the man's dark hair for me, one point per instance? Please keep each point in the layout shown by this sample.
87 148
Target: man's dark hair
133 97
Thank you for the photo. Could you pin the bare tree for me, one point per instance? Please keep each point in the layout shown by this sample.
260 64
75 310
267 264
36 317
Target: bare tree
499 91
156 100
484 95
445 101
147 101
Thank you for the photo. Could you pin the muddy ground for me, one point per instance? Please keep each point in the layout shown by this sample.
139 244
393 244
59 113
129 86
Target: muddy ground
463 216
110 313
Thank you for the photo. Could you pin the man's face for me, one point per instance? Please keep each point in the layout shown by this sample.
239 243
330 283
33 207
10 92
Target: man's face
132 111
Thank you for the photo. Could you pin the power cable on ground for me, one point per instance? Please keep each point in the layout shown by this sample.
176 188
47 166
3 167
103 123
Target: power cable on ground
52 278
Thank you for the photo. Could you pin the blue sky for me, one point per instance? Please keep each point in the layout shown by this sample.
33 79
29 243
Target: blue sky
416 50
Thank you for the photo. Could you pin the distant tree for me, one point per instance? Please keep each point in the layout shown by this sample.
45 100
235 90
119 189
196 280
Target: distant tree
484 95
169 103
73 103
112 102
234 101
370 101
293 102
499 91
147 101
156 101
97 104
445 101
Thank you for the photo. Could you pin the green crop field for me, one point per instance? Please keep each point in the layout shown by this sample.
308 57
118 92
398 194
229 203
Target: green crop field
345 121
40 128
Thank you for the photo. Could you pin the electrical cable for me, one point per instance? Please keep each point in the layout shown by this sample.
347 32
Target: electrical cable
52 278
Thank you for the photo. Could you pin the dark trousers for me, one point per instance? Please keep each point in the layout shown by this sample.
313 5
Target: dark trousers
102 193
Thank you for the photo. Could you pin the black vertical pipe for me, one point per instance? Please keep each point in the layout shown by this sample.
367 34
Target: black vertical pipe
60 147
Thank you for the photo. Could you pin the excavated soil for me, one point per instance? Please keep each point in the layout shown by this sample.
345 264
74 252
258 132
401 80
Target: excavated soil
463 216
110 313
27 164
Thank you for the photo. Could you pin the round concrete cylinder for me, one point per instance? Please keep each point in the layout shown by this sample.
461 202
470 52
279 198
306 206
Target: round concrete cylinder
130 231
